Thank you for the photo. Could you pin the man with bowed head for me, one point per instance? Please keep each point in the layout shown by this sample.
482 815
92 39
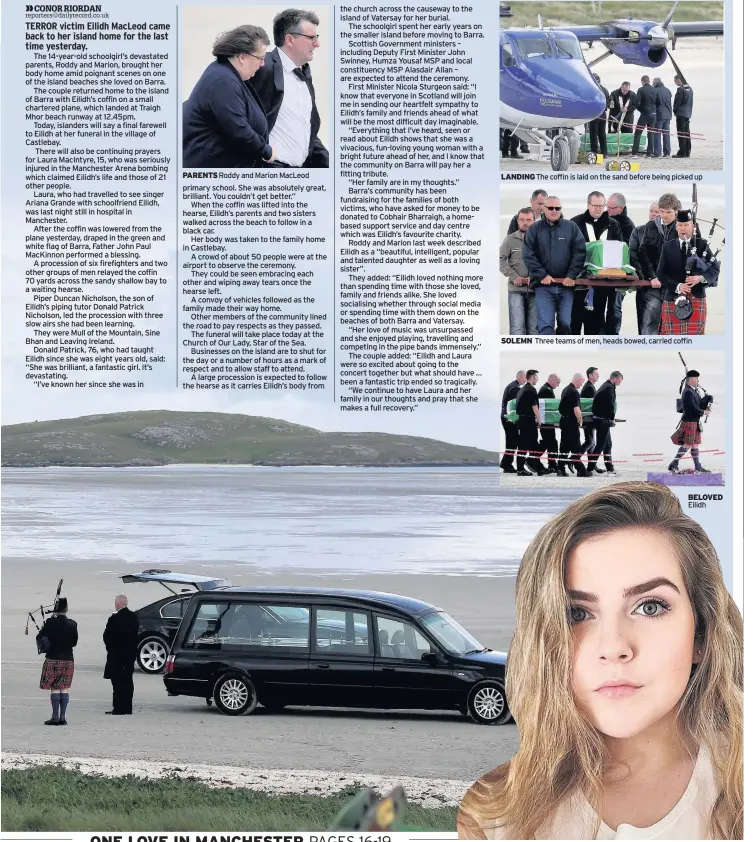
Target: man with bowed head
121 639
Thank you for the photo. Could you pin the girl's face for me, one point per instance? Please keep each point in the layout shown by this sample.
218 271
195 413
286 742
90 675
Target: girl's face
634 631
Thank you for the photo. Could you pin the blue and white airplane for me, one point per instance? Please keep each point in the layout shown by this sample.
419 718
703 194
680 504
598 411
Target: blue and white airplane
547 88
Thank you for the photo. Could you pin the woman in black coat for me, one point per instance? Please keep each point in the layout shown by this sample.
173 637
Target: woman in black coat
224 123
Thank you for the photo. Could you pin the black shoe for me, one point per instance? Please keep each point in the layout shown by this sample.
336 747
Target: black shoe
673 467
523 474
702 470
63 722
610 469
550 470
678 155
515 155
561 472
509 470
599 470
52 722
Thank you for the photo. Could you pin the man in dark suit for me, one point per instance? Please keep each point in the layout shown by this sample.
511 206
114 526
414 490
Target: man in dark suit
683 99
603 416
663 118
623 101
510 429
284 85
597 127
647 105
121 640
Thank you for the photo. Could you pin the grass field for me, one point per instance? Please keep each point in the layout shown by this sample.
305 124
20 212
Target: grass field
161 437
582 11
47 799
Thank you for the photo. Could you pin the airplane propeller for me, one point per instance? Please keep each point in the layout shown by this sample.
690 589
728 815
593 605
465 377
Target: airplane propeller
658 36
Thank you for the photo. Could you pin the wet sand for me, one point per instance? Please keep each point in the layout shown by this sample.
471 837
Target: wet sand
422 744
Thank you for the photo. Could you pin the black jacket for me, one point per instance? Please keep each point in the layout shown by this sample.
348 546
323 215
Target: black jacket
557 250
546 391
691 404
509 394
617 103
121 639
599 225
647 100
604 402
626 226
63 635
672 271
268 83
664 110
224 123
683 100
524 401
588 390
645 247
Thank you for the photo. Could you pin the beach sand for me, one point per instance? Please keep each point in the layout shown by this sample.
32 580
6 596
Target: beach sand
183 730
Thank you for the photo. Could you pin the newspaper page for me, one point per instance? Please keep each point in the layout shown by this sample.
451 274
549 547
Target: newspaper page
372 420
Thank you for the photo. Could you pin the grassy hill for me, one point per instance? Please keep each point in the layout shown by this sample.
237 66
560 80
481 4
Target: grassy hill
573 13
133 439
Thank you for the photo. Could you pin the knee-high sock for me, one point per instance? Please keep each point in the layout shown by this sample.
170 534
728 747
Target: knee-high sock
55 702
696 457
63 704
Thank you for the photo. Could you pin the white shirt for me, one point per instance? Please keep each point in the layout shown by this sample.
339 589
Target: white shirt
290 134
688 819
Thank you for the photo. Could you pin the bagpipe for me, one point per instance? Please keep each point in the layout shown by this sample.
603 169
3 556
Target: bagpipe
44 611
708 265
706 399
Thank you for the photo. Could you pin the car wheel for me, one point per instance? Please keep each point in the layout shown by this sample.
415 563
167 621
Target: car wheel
487 704
152 655
234 694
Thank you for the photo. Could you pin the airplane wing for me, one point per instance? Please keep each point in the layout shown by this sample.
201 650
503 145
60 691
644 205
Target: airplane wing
698 27
594 32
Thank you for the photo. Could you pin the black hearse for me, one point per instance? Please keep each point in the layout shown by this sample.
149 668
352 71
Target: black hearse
331 648
159 621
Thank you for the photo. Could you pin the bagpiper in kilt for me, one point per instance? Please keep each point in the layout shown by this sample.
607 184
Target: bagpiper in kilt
682 278
688 433
61 634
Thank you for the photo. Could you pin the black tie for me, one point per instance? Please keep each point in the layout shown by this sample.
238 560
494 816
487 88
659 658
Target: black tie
299 72
684 253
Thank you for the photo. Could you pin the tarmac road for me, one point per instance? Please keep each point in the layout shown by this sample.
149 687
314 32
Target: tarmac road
184 730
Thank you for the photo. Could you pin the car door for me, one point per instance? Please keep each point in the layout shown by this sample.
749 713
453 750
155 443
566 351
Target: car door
342 658
410 670
171 615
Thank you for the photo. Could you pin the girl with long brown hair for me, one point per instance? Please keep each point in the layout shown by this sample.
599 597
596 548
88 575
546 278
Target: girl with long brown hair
625 678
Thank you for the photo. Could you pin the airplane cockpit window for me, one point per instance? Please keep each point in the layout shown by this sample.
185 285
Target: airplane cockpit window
535 47
507 55
567 46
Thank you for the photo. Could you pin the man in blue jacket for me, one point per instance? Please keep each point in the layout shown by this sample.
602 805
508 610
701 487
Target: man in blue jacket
554 248
663 116
683 111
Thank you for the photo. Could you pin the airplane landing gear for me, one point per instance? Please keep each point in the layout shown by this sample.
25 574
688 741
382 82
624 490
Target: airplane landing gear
560 154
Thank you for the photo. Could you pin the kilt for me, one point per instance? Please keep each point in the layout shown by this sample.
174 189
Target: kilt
693 326
56 675
687 434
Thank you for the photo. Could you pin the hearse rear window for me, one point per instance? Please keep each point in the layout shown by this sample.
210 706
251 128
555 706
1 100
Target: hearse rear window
245 625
